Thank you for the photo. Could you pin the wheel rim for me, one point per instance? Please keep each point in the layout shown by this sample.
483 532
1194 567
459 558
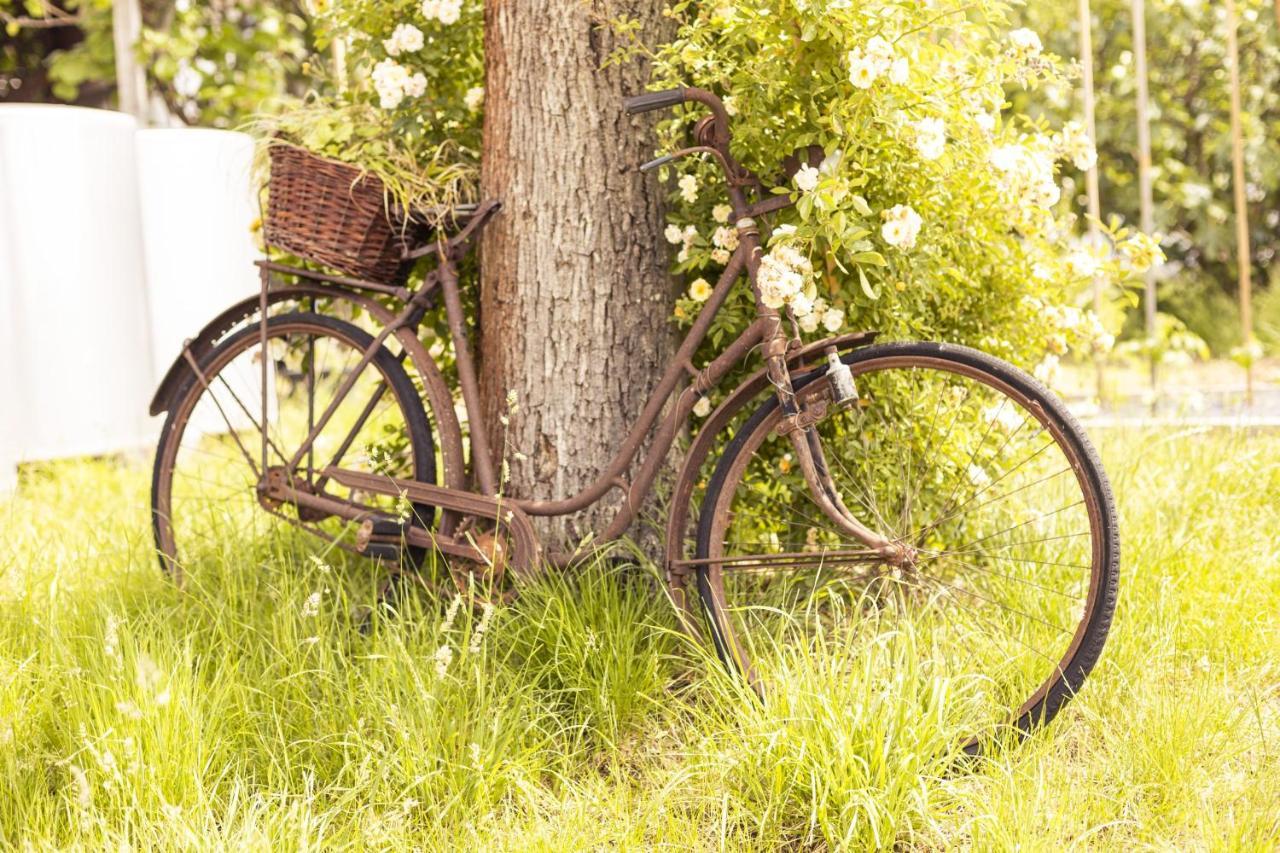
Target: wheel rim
207 474
968 564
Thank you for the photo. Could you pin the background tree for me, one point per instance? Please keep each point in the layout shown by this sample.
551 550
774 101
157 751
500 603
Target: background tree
1191 147
575 296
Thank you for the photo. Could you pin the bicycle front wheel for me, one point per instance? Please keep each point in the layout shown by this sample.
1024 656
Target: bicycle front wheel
1006 602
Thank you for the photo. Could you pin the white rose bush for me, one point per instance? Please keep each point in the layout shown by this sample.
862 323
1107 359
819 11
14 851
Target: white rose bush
936 208
399 91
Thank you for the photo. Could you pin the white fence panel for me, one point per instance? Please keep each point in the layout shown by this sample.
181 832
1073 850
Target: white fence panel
80 327
198 207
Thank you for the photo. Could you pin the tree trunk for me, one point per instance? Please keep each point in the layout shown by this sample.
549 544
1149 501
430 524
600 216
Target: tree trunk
575 293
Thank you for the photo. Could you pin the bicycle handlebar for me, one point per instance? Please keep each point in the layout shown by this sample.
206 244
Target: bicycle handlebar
719 137
653 101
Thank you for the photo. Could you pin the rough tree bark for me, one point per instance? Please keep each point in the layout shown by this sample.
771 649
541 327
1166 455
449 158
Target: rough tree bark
575 293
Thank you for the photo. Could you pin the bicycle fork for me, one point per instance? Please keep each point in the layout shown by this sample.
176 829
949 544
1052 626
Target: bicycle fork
799 422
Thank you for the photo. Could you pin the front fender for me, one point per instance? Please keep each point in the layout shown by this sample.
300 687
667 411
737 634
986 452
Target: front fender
746 393
439 398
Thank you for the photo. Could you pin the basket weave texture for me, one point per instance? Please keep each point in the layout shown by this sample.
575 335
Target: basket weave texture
334 214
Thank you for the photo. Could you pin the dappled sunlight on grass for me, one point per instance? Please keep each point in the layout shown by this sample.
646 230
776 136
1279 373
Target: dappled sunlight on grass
247 710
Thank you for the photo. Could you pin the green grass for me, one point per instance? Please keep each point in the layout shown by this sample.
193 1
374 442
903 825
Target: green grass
229 714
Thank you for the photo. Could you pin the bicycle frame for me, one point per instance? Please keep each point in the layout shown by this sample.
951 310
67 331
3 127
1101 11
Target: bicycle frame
766 332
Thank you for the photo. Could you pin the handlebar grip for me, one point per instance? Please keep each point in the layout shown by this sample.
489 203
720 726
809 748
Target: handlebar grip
653 101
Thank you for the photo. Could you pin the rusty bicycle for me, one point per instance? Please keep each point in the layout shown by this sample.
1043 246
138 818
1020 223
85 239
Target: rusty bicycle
845 490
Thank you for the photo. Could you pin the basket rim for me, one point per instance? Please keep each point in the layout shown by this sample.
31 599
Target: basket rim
394 211
363 171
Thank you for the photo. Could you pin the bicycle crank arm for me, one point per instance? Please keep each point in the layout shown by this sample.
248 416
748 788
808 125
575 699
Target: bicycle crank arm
526 550
372 537
313 507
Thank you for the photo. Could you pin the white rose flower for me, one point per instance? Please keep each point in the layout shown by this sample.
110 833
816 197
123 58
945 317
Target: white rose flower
1006 157
880 52
862 70
688 188
806 178
833 319
702 408
389 79
673 234
721 212
1026 171
416 85
449 11
1142 251
474 98
699 290
899 71
801 305
1075 145
1047 369
1083 264
725 237
720 256
931 138
901 227
405 38
1026 42
187 81
1070 318
783 275
808 323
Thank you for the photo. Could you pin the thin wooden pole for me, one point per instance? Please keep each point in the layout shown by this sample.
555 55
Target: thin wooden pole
1241 199
1146 212
1093 194
131 83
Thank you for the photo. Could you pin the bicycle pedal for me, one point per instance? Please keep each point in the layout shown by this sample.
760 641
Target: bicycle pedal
385 526
385 551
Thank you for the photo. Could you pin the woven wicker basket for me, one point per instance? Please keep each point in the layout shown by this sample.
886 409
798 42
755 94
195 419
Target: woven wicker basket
335 215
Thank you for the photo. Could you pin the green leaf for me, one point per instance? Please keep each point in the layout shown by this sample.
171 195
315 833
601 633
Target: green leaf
874 258
866 286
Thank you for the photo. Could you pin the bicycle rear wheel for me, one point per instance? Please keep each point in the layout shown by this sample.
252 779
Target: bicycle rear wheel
209 468
977 467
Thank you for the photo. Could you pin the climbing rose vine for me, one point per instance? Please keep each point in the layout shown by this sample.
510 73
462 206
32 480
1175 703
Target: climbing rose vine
937 210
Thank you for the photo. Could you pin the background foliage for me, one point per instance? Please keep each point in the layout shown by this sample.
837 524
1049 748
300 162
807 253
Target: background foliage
1191 149
220 63
931 133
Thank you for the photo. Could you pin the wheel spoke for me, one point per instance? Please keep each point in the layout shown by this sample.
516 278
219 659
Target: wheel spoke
311 358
